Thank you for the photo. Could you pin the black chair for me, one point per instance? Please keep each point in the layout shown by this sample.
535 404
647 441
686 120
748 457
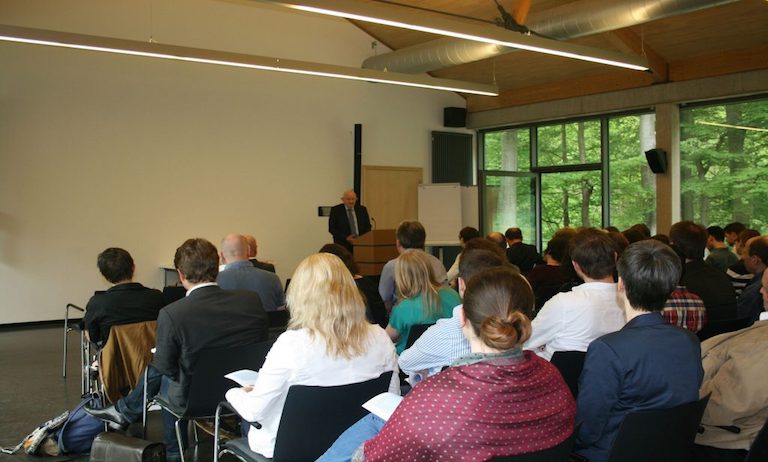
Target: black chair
313 417
207 384
721 327
278 322
570 364
660 435
415 333
559 453
758 452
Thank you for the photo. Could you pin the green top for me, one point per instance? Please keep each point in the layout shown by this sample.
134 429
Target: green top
410 312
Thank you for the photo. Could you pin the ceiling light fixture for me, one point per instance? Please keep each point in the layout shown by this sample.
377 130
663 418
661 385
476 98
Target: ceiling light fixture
223 58
410 18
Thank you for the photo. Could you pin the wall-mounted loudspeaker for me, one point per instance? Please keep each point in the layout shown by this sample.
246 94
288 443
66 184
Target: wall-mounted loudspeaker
657 160
454 117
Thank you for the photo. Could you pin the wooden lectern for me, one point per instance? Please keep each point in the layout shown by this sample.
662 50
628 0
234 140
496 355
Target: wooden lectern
373 250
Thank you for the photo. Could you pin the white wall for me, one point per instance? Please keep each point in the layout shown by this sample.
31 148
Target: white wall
101 150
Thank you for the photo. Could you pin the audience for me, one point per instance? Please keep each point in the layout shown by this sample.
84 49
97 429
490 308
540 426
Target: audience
732 233
409 237
465 235
443 343
712 285
208 317
328 342
498 239
738 274
252 251
571 320
547 279
648 364
720 256
125 302
750 303
524 256
496 401
375 311
241 274
684 308
734 377
422 299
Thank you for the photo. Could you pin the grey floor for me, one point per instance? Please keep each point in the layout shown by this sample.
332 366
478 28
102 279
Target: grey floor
32 389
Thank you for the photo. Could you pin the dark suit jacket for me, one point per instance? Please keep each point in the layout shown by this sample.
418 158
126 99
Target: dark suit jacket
714 288
209 317
648 364
120 304
525 256
263 265
338 224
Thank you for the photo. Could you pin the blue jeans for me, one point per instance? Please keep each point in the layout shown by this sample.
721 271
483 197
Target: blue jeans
132 408
348 442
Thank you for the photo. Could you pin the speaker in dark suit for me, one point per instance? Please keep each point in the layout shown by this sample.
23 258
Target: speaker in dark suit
341 222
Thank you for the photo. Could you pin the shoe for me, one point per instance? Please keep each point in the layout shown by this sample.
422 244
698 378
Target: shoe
108 414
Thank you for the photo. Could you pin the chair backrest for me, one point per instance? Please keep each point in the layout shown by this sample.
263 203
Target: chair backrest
124 356
758 452
721 327
207 384
661 435
313 417
559 453
570 364
415 333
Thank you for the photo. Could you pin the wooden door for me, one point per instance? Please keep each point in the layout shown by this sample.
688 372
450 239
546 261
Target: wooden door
391 194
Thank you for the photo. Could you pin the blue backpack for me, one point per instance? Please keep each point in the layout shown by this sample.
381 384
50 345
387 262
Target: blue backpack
80 429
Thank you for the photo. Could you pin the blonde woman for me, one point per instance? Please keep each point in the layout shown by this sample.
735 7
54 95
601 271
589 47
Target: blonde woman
328 342
422 299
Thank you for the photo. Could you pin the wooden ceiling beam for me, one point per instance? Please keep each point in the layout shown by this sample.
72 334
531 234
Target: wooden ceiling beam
629 42
730 62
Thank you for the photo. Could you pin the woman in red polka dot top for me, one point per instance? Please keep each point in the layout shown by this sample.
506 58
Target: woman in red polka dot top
499 400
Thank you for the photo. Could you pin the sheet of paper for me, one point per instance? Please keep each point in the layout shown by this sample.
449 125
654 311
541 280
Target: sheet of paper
383 405
243 377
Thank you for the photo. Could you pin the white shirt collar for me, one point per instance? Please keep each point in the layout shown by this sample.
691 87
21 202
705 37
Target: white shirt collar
202 284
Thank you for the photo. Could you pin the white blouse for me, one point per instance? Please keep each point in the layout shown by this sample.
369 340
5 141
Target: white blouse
298 359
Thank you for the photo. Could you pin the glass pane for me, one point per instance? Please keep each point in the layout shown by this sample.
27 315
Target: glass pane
569 143
508 150
570 199
723 163
633 185
509 201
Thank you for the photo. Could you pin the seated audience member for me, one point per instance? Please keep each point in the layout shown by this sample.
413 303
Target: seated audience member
465 235
524 256
663 238
734 374
648 364
738 273
643 229
422 299
732 233
252 251
720 256
409 237
328 343
571 320
125 302
621 241
208 317
750 303
547 279
684 308
497 401
240 274
497 238
633 235
443 343
712 285
374 305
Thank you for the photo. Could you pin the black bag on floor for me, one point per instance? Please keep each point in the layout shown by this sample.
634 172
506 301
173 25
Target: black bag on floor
114 447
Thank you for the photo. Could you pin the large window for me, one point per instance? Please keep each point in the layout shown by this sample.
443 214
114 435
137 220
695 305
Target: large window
724 163
589 172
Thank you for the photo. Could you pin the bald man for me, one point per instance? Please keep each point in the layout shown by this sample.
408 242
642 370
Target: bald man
348 220
240 274
252 251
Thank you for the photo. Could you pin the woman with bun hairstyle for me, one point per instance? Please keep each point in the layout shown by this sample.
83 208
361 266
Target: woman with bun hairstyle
422 299
497 401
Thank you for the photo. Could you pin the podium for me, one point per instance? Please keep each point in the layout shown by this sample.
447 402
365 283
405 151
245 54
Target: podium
373 250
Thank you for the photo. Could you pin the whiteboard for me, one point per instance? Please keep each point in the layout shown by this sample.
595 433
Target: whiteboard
440 212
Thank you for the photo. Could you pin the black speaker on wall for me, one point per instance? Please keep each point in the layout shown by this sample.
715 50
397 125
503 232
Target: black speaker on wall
657 160
454 117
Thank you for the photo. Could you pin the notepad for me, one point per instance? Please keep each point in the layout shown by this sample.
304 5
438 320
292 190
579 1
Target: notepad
383 405
243 377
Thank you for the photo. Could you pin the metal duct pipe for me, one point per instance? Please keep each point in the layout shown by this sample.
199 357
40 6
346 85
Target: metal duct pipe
565 22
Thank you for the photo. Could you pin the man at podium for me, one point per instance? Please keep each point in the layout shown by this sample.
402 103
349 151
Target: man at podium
348 220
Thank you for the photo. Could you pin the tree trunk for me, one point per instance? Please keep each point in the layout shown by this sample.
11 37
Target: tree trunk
506 213
735 142
586 186
564 157
686 198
